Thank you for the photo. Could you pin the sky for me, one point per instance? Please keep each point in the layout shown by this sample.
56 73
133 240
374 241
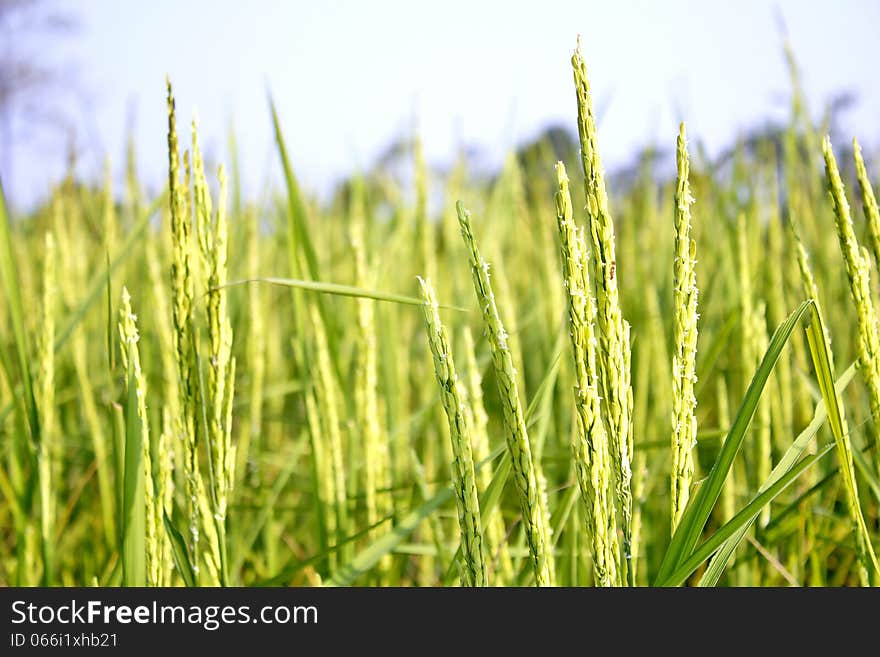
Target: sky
348 77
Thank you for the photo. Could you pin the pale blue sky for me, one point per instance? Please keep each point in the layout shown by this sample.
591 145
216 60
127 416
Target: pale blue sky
349 76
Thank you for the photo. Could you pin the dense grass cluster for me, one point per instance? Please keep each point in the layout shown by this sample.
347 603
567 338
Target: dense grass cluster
550 382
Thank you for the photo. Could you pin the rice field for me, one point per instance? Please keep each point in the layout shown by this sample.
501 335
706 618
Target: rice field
556 379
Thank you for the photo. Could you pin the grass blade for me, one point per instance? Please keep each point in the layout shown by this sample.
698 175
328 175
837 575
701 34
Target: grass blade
179 553
697 513
822 364
370 556
341 290
865 469
795 451
744 517
134 563
296 209
12 288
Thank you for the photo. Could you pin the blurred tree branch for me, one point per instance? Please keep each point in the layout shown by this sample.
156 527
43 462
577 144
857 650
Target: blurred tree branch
27 76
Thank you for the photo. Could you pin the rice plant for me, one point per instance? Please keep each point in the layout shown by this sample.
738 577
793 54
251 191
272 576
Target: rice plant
657 379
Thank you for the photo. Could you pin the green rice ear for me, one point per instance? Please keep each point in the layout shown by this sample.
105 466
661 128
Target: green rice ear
613 354
589 440
684 358
463 477
536 516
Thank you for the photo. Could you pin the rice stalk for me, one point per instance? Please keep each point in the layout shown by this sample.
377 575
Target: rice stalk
110 220
158 279
496 546
613 331
764 460
754 342
326 395
182 291
323 484
783 408
165 495
377 469
424 225
684 358
533 505
45 398
212 232
463 477
729 492
859 276
869 202
863 549
129 338
252 442
69 287
589 442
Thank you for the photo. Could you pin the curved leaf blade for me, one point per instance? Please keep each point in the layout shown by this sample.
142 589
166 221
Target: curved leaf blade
745 516
793 453
697 513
